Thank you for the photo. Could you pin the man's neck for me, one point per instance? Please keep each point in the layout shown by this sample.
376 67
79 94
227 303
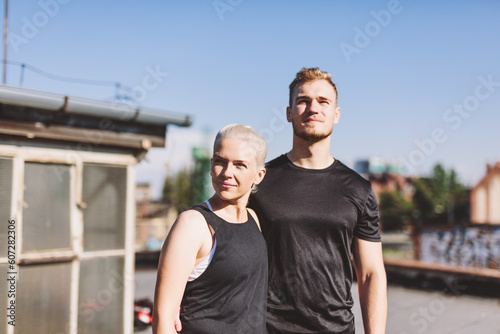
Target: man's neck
311 155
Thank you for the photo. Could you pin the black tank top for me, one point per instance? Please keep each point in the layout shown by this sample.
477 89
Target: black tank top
230 296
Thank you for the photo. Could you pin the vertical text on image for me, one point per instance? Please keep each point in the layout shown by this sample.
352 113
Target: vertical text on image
11 273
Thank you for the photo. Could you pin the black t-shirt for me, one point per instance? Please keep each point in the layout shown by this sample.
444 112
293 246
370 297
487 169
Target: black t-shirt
309 218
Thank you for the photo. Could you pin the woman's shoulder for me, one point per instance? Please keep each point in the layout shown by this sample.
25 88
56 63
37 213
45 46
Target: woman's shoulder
254 216
190 219
252 213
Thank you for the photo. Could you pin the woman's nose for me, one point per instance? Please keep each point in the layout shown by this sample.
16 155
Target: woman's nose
228 170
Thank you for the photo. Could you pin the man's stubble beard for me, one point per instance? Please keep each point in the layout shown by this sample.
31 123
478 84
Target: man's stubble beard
310 136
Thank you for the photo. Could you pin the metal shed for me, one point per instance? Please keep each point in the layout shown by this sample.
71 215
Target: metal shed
67 209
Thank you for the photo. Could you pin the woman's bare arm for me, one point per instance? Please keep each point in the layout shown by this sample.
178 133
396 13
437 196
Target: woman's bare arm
178 257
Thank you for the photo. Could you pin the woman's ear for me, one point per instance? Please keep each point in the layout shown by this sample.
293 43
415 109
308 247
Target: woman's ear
260 176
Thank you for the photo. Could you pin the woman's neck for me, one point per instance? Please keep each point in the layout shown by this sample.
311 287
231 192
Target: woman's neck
232 211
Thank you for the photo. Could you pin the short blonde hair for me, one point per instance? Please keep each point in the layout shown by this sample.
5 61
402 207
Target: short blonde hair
308 75
249 135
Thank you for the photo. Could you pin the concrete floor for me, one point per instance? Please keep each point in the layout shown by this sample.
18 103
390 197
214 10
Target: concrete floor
409 312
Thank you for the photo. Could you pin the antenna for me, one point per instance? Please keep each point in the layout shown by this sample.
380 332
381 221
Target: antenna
5 40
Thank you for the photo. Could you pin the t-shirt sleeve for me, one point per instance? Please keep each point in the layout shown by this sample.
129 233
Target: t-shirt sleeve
368 224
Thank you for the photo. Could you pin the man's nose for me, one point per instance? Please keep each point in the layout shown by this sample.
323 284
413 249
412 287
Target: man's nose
314 106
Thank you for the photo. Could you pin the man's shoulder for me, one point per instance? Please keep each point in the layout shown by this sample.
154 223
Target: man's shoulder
274 173
353 176
277 162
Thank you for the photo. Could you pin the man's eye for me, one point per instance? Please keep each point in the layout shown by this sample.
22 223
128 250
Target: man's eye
324 102
241 165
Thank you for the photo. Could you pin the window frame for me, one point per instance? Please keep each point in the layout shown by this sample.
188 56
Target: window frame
74 159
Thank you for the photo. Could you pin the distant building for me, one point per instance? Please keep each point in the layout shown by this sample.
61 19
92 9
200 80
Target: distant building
67 190
142 192
385 175
378 165
485 197
391 183
153 220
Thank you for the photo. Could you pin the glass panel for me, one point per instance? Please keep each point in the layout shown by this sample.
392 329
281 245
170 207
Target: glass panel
104 192
5 200
101 296
46 216
43 298
3 296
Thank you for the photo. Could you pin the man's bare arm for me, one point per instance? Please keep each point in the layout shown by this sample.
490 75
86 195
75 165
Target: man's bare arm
372 284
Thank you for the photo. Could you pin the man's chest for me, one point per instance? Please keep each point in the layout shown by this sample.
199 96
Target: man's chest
317 203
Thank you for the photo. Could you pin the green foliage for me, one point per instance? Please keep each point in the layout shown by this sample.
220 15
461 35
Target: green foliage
189 187
200 177
440 198
177 189
184 188
395 211
169 190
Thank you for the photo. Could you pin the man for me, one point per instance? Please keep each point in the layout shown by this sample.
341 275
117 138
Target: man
315 214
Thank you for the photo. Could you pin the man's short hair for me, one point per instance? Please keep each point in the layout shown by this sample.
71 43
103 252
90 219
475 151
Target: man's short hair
308 75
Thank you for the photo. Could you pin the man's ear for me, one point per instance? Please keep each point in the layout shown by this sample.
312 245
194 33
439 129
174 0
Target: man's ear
337 115
289 114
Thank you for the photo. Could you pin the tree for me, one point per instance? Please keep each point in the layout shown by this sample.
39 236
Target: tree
200 176
178 190
440 198
190 186
168 191
184 190
395 211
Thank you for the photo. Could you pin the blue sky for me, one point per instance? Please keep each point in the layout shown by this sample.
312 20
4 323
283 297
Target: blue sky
418 80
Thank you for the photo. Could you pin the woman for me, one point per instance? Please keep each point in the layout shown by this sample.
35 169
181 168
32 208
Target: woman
213 264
